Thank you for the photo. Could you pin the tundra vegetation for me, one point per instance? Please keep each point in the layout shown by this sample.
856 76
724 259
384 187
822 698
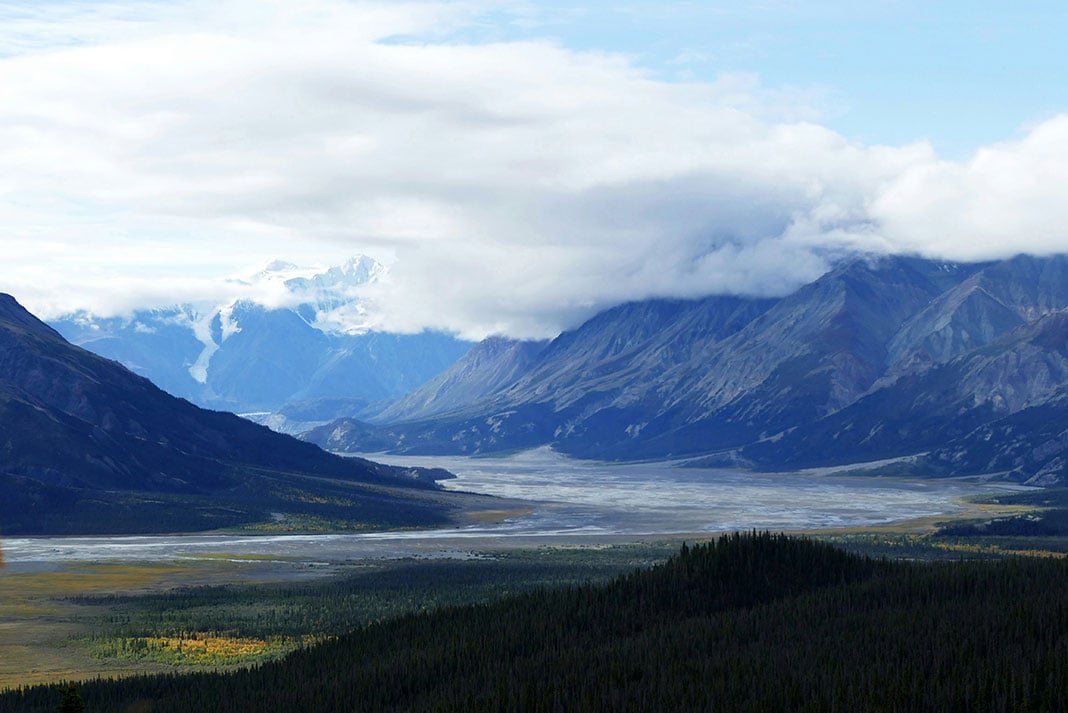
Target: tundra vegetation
744 622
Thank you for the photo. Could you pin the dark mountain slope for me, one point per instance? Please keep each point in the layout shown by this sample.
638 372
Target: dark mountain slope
672 377
807 356
584 385
80 428
622 350
992 302
1029 446
820 347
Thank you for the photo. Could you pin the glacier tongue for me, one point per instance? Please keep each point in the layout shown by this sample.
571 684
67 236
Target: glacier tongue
200 323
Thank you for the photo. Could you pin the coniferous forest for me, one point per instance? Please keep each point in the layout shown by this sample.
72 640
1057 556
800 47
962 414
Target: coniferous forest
747 622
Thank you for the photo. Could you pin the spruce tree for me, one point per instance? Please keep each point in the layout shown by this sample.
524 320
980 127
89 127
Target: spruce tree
71 701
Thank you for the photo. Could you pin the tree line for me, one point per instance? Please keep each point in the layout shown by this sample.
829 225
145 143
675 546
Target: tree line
748 622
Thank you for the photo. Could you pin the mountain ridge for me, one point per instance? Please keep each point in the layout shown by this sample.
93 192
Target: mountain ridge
923 352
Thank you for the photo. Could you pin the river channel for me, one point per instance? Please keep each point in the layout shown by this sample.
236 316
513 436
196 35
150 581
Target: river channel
564 501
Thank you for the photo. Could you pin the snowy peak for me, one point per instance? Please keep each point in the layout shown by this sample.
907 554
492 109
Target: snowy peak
358 271
329 299
278 266
285 333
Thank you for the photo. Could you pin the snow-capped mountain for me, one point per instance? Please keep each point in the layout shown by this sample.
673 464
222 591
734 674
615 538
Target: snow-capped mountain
292 334
330 300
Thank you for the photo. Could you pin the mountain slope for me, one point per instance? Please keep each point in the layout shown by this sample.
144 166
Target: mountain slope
491 364
879 357
1000 408
585 382
89 446
672 377
1029 446
993 301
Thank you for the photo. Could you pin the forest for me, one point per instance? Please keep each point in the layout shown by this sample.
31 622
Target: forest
746 622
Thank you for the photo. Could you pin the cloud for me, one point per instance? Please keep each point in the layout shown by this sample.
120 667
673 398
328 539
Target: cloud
1007 198
516 186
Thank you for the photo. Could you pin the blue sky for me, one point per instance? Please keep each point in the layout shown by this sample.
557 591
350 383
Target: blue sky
958 74
519 165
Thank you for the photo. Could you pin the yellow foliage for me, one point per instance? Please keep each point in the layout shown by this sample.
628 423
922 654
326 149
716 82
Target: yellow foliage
977 548
205 648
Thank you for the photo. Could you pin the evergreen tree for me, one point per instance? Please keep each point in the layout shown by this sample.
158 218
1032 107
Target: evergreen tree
71 702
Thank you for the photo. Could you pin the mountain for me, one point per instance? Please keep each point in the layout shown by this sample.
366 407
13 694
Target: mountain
880 357
491 364
246 356
579 385
1002 408
88 446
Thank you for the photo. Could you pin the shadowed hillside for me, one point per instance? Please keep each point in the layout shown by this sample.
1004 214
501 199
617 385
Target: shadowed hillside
90 447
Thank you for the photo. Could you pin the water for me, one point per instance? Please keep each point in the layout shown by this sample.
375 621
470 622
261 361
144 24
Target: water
660 498
570 501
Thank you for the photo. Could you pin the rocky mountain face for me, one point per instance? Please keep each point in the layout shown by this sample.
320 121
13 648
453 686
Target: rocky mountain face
245 357
490 365
88 446
881 357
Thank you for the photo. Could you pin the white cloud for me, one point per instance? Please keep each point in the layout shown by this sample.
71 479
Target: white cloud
520 186
1007 198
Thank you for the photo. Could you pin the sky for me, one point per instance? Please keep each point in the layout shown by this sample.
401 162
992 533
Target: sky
518 165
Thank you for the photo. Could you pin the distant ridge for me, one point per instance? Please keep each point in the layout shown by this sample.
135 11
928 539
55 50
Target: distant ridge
882 357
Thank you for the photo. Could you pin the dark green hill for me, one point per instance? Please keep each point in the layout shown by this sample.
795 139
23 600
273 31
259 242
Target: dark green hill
88 446
745 623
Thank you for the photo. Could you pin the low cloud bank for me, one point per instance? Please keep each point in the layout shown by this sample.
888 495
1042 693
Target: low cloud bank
515 187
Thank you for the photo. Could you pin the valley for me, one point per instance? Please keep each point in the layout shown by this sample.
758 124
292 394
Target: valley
533 357
542 498
75 607
889 408
131 621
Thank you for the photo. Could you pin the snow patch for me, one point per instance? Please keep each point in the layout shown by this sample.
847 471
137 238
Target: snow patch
228 322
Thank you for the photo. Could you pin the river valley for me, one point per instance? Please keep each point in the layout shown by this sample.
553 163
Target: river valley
550 499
